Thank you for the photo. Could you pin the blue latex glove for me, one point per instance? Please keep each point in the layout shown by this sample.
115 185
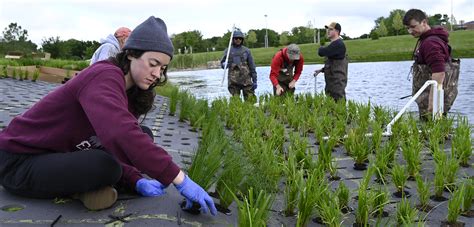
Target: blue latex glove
194 193
254 86
148 188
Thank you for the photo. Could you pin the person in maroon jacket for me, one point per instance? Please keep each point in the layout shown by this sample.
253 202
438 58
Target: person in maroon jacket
433 61
286 68
84 138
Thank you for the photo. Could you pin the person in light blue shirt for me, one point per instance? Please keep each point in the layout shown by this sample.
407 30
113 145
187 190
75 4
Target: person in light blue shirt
111 45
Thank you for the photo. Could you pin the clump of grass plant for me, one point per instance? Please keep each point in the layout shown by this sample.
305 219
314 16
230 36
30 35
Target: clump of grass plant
364 204
411 150
423 189
299 146
406 214
310 194
231 176
26 74
462 142
376 136
360 150
435 136
450 173
343 194
196 118
14 73
399 178
187 103
455 205
329 211
174 98
441 160
4 71
294 182
383 161
380 199
468 197
209 157
36 74
254 208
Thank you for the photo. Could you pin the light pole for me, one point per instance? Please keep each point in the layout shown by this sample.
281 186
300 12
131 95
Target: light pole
266 32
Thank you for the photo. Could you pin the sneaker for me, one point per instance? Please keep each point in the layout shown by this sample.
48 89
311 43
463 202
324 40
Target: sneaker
98 199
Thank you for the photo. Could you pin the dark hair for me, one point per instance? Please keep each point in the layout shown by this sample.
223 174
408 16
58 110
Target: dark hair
414 14
139 101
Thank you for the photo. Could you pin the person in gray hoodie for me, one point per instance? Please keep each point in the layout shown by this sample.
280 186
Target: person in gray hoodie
111 45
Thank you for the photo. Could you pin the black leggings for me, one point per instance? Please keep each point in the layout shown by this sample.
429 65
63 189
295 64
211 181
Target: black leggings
52 175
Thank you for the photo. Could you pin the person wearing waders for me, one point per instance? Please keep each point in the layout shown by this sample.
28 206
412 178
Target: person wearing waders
433 61
286 68
335 65
242 76
84 139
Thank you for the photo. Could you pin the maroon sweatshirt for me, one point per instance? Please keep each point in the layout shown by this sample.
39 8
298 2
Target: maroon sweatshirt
433 50
93 103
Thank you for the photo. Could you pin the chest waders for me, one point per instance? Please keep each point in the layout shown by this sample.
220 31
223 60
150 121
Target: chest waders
422 73
285 76
239 76
335 76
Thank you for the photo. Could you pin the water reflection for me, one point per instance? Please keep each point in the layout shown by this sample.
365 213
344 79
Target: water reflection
383 83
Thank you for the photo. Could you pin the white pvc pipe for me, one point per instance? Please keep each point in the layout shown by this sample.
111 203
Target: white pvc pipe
413 98
228 53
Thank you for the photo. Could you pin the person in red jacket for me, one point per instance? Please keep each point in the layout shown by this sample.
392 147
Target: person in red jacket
433 61
83 138
286 68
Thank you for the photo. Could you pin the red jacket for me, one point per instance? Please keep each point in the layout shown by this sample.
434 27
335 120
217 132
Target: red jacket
277 64
433 50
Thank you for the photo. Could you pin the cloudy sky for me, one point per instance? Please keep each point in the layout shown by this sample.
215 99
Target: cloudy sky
95 19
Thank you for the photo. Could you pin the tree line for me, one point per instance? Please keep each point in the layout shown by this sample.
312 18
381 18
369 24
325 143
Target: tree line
15 38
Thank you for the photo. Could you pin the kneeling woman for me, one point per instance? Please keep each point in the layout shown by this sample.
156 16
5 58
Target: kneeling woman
83 138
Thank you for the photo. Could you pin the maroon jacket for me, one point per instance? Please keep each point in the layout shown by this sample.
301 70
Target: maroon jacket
93 103
433 49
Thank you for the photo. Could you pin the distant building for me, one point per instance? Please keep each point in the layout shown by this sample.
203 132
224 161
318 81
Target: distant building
466 26
469 25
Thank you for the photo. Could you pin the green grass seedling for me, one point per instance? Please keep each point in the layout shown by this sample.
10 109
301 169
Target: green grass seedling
254 210
455 205
423 189
462 142
406 214
399 178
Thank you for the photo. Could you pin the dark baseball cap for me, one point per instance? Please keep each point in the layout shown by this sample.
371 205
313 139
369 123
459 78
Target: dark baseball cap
334 25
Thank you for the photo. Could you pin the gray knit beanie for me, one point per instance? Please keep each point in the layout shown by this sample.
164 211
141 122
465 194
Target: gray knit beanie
151 35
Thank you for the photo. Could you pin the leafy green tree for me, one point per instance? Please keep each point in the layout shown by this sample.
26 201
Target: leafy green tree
15 32
251 39
189 39
53 46
15 39
284 40
382 30
397 23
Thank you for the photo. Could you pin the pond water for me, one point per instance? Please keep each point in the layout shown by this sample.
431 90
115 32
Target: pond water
383 83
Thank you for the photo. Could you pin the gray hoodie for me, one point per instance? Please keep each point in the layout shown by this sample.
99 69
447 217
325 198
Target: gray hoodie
109 48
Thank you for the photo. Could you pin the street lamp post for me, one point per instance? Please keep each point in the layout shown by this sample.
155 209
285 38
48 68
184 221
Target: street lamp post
266 32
